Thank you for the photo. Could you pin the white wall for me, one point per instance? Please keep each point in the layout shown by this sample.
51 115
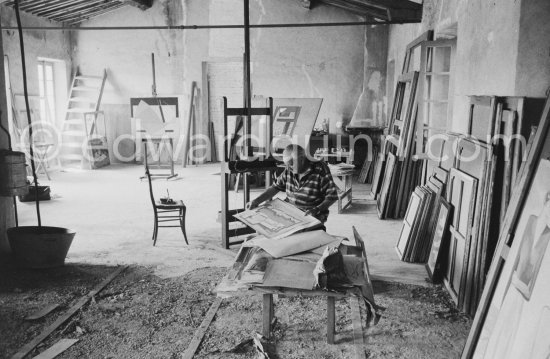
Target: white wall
291 62
127 57
502 47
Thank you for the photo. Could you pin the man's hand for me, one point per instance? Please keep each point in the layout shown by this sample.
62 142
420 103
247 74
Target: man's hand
252 204
312 211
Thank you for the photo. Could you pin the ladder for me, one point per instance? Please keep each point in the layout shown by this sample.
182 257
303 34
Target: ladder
81 118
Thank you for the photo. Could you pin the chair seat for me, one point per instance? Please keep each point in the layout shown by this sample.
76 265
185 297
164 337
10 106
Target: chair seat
176 205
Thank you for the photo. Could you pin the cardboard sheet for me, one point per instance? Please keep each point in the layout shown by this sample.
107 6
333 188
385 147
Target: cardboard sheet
289 274
295 243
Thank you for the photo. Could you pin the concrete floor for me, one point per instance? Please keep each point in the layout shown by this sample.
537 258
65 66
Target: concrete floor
110 211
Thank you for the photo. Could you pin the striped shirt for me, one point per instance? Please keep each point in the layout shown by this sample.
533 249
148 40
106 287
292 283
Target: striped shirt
311 190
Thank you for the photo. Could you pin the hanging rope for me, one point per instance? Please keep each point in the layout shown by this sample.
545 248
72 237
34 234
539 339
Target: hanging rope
25 91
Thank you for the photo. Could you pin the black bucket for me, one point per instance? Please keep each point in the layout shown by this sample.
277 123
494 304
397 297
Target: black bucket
40 247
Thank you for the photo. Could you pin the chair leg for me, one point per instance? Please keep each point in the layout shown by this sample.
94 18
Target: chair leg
155 230
182 224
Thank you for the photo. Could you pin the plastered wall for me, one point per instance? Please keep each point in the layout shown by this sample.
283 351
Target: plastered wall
292 62
47 44
502 47
126 55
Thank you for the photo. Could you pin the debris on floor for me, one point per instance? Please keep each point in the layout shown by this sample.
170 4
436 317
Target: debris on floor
139 315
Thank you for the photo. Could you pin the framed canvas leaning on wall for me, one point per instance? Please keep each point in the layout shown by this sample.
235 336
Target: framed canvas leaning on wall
513 317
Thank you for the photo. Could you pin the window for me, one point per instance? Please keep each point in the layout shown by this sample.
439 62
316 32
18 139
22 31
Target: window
435 99
46 87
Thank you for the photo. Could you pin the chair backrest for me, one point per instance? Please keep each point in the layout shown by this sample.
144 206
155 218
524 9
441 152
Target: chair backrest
150 187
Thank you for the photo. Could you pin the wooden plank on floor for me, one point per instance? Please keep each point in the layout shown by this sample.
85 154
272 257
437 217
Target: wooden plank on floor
56 349
199 334
42 312
331 320
358 341
267 314
37 340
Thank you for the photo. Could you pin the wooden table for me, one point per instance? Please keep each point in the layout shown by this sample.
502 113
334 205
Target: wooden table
343 180
268 307
230 288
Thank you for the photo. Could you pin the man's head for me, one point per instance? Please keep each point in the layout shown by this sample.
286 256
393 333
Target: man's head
295 157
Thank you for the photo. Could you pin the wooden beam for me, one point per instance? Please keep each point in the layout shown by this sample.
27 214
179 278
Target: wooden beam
201 331
88 17
357 326
69 9
44 5
87 14
26 349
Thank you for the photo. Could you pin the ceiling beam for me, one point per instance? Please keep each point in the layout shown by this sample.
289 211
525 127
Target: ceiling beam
87 13
77 19
76 6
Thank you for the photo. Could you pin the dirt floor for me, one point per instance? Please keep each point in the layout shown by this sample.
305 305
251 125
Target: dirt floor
139 315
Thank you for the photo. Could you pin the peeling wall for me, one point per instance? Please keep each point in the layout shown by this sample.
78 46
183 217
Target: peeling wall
127 57
48 44
322 62
533 71
55 45
502 47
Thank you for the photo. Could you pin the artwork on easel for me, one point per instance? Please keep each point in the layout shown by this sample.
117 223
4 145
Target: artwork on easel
277 219
148 120
284 121
293 121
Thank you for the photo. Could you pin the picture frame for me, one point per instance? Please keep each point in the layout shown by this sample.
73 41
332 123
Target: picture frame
411 217
378 170
461 194
386 182
522 294
497 274
440 236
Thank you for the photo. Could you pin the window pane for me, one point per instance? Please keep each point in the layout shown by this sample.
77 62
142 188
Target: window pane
49 72
440 87
429 59
442 59
40 72
438 115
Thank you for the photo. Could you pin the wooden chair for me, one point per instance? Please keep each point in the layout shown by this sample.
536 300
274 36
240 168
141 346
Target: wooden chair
174 212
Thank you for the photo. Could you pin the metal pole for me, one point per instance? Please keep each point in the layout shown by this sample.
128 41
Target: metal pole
25 91
204 27
247 97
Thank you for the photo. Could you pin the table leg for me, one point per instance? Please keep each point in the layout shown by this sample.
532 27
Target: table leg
330 320
267 314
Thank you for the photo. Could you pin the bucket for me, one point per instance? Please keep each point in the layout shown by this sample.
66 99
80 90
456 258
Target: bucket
40 247
13 174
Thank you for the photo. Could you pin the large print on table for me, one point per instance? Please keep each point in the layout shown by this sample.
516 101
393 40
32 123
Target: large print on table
277 219
518 319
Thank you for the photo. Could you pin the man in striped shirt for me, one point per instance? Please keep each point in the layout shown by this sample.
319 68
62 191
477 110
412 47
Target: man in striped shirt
308 184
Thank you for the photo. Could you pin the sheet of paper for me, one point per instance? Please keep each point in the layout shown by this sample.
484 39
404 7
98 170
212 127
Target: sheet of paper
147 120
321 249
289 274
295 243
